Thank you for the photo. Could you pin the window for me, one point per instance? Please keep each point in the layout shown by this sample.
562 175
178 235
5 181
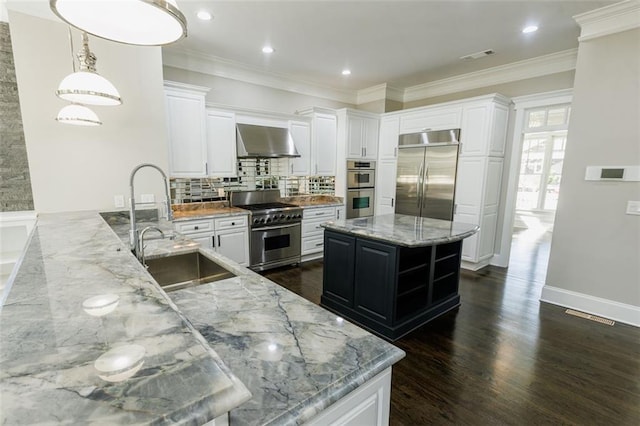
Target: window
543 148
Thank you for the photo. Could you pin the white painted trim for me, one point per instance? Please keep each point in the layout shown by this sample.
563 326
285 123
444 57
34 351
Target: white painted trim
225 68
535 67
184 87
474 266
521 104
609 20
372 94
621 312
395 94
4 13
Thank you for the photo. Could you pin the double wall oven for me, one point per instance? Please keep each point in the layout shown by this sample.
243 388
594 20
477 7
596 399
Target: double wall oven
275 228
361 177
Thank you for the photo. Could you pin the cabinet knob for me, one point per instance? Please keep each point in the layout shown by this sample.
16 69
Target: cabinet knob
196 228
233 223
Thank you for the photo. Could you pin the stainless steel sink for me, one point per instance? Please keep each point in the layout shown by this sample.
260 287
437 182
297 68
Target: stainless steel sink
185 270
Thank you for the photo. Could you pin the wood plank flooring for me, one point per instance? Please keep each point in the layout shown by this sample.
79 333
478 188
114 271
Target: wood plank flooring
505 358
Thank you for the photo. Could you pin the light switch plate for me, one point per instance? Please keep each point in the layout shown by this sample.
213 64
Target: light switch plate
147 198
633 207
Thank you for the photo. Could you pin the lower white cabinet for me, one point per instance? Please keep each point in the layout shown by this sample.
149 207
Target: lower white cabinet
228 236
367 405
312 243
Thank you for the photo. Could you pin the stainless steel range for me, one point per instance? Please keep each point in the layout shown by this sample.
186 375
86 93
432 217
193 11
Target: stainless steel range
275 228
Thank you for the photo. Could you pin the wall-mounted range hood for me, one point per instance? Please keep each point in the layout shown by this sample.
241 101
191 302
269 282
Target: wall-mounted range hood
264 142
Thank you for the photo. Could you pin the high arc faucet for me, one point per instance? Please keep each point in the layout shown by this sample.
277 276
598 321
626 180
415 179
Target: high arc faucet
133 237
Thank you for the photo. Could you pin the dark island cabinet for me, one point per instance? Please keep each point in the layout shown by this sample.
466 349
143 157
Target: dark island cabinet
388 289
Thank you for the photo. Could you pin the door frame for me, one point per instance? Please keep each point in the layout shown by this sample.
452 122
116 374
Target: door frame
521 104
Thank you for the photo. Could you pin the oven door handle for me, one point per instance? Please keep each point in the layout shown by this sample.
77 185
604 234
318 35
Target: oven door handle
270 228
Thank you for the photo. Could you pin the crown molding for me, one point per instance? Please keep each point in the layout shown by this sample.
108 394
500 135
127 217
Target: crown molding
563 96
608 20
184 87
220 67
395 94
521 70
372 94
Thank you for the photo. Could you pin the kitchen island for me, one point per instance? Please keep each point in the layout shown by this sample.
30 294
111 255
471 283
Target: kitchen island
392 273
243 345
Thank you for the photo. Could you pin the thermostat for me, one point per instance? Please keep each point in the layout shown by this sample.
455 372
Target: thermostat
613 173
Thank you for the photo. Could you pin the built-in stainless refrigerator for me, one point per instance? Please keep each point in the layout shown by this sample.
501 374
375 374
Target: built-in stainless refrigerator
426 177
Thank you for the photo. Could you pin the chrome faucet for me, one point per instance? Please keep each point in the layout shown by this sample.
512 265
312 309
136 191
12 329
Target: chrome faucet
141 251
133 237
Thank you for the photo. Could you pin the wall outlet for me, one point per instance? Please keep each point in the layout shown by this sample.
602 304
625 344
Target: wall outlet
147 198
633 207
118 200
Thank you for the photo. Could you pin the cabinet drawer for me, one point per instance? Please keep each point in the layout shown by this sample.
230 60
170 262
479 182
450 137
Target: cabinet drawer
312 244
230 222
312 227
328 212
194 226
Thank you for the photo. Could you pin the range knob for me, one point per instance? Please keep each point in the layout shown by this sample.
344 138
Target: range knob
256 220
288 217
298 216
262 220
281 216
268 220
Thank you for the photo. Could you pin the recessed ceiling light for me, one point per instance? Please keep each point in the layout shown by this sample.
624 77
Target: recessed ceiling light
530 29
346 72
267 49
204 15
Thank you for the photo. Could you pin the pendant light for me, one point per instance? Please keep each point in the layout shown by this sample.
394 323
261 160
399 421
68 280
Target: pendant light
139 22
78 115
87 86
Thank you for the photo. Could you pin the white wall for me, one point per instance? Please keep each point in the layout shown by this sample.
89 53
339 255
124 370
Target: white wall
82 168
240 94
594 263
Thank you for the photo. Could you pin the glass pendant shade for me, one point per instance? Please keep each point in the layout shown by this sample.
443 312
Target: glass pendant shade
139 22
78 115
90 88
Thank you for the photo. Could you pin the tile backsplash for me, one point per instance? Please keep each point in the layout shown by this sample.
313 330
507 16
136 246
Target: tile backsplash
263 173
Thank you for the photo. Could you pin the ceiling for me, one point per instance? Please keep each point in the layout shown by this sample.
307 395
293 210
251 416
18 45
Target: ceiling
401 43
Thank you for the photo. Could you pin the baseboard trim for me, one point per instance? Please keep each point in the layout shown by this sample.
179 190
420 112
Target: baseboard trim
621 312
474 266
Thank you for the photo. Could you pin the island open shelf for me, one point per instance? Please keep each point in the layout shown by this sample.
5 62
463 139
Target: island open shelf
380 276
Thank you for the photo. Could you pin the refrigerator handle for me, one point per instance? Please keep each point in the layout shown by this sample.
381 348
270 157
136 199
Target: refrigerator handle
419 186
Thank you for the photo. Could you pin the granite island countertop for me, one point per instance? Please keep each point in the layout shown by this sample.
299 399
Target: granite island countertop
294 357
404 230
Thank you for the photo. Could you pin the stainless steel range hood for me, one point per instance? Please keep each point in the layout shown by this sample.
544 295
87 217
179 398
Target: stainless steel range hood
264 142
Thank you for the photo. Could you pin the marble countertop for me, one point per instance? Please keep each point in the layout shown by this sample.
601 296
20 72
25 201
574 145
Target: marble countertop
404 230
205 210
314 200
51 340
208 347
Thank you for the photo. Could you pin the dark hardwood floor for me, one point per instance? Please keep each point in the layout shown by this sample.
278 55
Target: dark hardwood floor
505 358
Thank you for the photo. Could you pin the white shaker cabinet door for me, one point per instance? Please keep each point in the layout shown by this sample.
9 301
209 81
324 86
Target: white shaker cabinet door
233 243
187 134
221 143
385 187
389 134
301 134
324 145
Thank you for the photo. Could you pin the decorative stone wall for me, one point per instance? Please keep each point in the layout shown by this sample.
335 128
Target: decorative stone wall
15 183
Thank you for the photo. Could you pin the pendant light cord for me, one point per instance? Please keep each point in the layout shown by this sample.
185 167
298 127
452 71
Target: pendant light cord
73 63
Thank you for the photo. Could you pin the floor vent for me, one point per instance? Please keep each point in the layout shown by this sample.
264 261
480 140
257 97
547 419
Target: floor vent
590 317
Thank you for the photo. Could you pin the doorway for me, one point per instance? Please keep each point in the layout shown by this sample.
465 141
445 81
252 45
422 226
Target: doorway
534 187
544 139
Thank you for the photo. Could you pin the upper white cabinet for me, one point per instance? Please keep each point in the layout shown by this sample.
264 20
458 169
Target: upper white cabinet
186 125
431 118
484 127
323 141
221 143
301 134
360 132
389 133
